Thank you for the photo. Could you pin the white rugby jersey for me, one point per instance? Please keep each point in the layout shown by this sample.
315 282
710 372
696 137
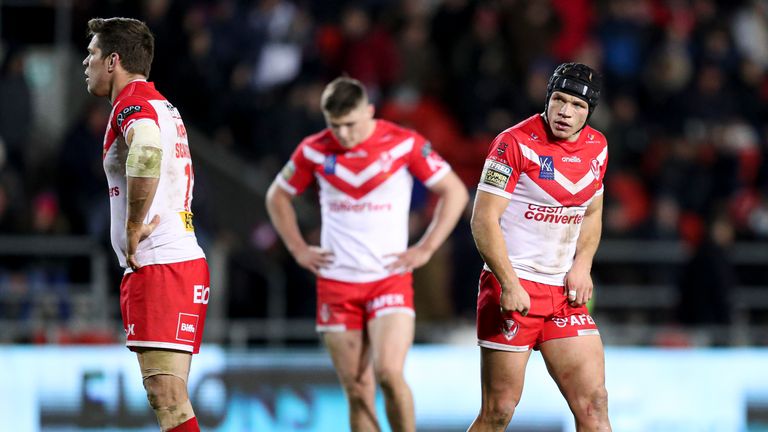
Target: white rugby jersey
365 195
549 185
174 238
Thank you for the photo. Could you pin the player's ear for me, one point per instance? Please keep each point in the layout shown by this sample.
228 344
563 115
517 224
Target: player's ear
371 110
113 58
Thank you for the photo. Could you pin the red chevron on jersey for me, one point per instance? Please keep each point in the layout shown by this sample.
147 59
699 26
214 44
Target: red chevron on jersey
566 187
365 195
357 176
549 185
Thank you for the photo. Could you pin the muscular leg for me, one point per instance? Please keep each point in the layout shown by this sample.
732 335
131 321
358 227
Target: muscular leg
502 375
391 336
165 376
351 357
577 365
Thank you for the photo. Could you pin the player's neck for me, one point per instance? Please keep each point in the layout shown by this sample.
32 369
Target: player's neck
120 82
371 130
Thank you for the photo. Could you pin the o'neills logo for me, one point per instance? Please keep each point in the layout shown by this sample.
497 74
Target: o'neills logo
349 206
551 215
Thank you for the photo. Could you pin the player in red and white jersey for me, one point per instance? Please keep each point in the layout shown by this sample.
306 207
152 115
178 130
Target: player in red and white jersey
537 222
365 168
165 289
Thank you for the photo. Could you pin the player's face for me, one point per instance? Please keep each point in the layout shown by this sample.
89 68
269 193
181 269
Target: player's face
566 115
97 77
354 127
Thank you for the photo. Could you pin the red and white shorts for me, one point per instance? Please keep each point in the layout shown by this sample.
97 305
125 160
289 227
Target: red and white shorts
164 305
343 306
550 317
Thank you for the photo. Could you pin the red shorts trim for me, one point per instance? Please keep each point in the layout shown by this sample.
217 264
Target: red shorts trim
343 306
164 305
550 317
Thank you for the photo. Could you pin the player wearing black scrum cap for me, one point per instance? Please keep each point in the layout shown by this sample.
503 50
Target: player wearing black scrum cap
536 223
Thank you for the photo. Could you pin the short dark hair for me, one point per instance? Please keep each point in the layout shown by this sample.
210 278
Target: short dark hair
128 37
342 95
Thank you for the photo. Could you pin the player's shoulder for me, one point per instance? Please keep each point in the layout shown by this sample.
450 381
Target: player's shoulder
316 147
395 132
138 92
320 141
529 129
594 137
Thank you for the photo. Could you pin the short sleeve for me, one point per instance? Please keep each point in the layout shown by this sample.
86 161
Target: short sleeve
425 164
130 110
502 166
598 167
298 172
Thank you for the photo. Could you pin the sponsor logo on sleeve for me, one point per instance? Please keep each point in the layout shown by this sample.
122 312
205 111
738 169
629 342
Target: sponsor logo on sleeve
127 112
426 149
496 174
288 170
547 168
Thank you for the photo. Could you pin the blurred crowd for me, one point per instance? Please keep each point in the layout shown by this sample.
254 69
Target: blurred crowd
685 94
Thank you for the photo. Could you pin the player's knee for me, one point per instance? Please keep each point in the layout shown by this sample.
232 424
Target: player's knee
165 391
358 392
389 378
593 406
498 412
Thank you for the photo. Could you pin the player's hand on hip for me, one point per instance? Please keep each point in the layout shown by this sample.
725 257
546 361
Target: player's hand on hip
135 232
314 258
578 287
412 258
515 299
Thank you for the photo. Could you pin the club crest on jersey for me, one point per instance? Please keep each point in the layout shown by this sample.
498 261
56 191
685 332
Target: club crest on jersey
329 165
547 168
127 112
386 161
594 166
510 329
501 149
496 174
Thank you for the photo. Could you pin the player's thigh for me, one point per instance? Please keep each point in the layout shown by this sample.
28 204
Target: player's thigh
391 337
577 364
502 374
350 353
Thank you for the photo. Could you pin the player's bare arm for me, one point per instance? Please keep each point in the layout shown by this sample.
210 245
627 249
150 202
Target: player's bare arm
578 280
453 197
489 239
143 176
283 215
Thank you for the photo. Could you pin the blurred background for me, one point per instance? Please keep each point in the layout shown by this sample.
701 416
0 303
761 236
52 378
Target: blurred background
681 274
